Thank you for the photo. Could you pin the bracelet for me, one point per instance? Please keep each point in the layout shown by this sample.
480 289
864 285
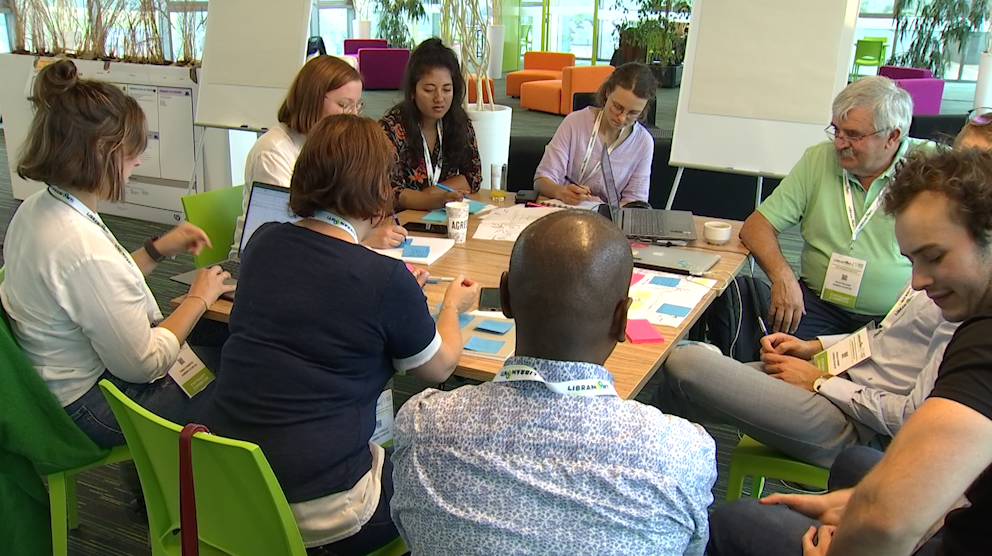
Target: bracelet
206 306
443 307
153 253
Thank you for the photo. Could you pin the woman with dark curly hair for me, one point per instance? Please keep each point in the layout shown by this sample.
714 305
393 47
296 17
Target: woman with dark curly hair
438 156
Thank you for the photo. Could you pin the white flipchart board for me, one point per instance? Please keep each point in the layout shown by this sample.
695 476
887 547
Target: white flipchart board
758 82
251 53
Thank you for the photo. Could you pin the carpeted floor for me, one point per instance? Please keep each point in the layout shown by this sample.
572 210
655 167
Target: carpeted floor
109 527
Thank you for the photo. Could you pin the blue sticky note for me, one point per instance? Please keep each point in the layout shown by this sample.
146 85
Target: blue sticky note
435 216
407 241
482 345
666 281
494 326
674 310
416 251
464 319
475 206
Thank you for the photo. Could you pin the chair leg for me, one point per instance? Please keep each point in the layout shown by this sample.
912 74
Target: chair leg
57 500
735 484
757 485
70 500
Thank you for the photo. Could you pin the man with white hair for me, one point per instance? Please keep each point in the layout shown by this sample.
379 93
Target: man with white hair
851 270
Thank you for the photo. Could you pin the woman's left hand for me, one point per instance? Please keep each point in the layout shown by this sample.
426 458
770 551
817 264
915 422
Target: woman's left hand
181 239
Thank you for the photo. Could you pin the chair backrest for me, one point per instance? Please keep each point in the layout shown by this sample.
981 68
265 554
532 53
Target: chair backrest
869 49
216 213
241 509
581 79
315 45
900 72
554 61
351 46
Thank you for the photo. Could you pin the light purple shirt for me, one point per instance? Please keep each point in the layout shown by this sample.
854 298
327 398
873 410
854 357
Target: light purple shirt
631 161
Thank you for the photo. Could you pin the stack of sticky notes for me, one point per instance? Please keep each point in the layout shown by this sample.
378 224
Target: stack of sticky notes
640 331
435 216
483 345
494 326
415 251
666 281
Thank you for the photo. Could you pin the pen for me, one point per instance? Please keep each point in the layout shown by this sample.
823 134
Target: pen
396 219
439 279
446 188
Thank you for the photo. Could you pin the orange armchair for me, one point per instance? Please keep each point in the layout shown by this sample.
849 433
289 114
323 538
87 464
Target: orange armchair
488 91
538 66
555 96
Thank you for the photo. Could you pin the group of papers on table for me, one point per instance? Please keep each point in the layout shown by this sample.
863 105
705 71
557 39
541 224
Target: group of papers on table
506 223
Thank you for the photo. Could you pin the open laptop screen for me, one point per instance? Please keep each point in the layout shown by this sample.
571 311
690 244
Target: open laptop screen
268 203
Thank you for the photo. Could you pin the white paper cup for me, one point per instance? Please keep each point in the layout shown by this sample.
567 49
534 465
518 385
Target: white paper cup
457 212
717 233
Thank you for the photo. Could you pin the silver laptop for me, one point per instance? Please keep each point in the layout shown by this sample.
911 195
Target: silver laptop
645 224
268 203
673 259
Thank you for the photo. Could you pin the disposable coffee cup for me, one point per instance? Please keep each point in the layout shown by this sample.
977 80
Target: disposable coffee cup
717 233
457 213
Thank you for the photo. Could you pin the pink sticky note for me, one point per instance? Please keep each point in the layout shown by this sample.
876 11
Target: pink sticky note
640 331
638 245
635 278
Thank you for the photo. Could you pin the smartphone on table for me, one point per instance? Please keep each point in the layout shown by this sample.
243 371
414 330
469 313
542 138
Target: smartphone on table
489 300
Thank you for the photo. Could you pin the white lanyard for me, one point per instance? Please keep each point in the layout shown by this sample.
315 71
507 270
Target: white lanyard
583 177
581 387
79 207
434 172
856 227
908 294
337 222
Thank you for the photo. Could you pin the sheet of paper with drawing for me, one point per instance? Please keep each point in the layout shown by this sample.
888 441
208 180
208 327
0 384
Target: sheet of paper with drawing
419 250
505 224
665 299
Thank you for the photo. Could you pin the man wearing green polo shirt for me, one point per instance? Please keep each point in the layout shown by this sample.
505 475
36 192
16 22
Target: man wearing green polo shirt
851 270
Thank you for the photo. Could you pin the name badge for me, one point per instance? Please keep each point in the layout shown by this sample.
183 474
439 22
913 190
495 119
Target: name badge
190 373
846 353
383 434
843 280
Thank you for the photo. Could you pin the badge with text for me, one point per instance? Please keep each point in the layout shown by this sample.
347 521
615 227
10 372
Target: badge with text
190 373
843 280
846 353
383 434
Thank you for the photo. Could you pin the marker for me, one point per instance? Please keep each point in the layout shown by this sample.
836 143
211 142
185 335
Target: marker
446 188
439 279
396 219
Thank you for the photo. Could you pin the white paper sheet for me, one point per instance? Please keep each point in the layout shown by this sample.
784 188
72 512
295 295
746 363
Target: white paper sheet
648 298
505 224
439 246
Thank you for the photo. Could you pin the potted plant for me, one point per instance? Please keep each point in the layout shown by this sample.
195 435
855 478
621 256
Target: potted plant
656 40
361 26
393 16
937 27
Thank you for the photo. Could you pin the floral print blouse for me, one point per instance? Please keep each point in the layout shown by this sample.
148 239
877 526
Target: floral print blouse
410 171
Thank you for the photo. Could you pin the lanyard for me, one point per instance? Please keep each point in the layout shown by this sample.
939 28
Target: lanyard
583 176
582 387
434 172
336 221
908 294
856 227
82 209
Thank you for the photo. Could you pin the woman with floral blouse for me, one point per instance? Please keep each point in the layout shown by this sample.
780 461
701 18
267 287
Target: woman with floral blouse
438 156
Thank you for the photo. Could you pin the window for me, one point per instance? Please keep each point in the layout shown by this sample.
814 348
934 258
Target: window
877 7
334 26
187 24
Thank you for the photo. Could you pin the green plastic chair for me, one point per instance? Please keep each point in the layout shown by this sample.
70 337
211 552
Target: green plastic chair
753 459
883 40
241 509
216 213
62 483
867 53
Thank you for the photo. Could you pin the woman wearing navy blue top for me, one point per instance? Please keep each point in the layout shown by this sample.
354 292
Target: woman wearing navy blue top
319 326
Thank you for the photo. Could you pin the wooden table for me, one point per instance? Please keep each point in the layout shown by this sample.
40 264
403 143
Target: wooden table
632 365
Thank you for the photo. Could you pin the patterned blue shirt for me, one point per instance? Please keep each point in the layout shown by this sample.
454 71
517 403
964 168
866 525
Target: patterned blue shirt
513 468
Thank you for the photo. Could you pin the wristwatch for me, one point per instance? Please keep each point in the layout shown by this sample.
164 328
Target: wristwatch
818 383
152 252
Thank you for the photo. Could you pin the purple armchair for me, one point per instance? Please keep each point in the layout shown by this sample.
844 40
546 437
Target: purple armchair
351 46
925 90
382 68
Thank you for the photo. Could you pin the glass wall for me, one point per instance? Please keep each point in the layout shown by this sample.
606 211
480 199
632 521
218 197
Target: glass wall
334 26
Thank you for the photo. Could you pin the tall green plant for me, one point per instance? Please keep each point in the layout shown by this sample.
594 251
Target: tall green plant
393 16
655 31
938 27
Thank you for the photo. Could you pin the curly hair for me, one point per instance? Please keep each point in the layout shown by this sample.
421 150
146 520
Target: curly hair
432 54
963 176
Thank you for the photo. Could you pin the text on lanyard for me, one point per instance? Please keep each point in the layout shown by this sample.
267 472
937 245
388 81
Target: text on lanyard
82 209
583 176
337 222
581 387
857 227
434 172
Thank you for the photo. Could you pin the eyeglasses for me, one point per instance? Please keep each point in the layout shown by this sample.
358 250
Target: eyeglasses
834 133
980 116
352 108
618 109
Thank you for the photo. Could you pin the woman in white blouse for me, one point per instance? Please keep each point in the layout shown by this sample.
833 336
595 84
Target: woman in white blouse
77 300
323 87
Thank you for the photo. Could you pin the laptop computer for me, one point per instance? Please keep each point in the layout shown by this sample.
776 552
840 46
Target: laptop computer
649 225
268 203
656 257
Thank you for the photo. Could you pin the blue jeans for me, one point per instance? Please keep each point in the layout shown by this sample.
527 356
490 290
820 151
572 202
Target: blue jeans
821 318
163 397
745 528
377 532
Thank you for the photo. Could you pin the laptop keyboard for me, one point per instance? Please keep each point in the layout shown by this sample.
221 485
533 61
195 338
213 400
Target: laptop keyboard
234 267
644 223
